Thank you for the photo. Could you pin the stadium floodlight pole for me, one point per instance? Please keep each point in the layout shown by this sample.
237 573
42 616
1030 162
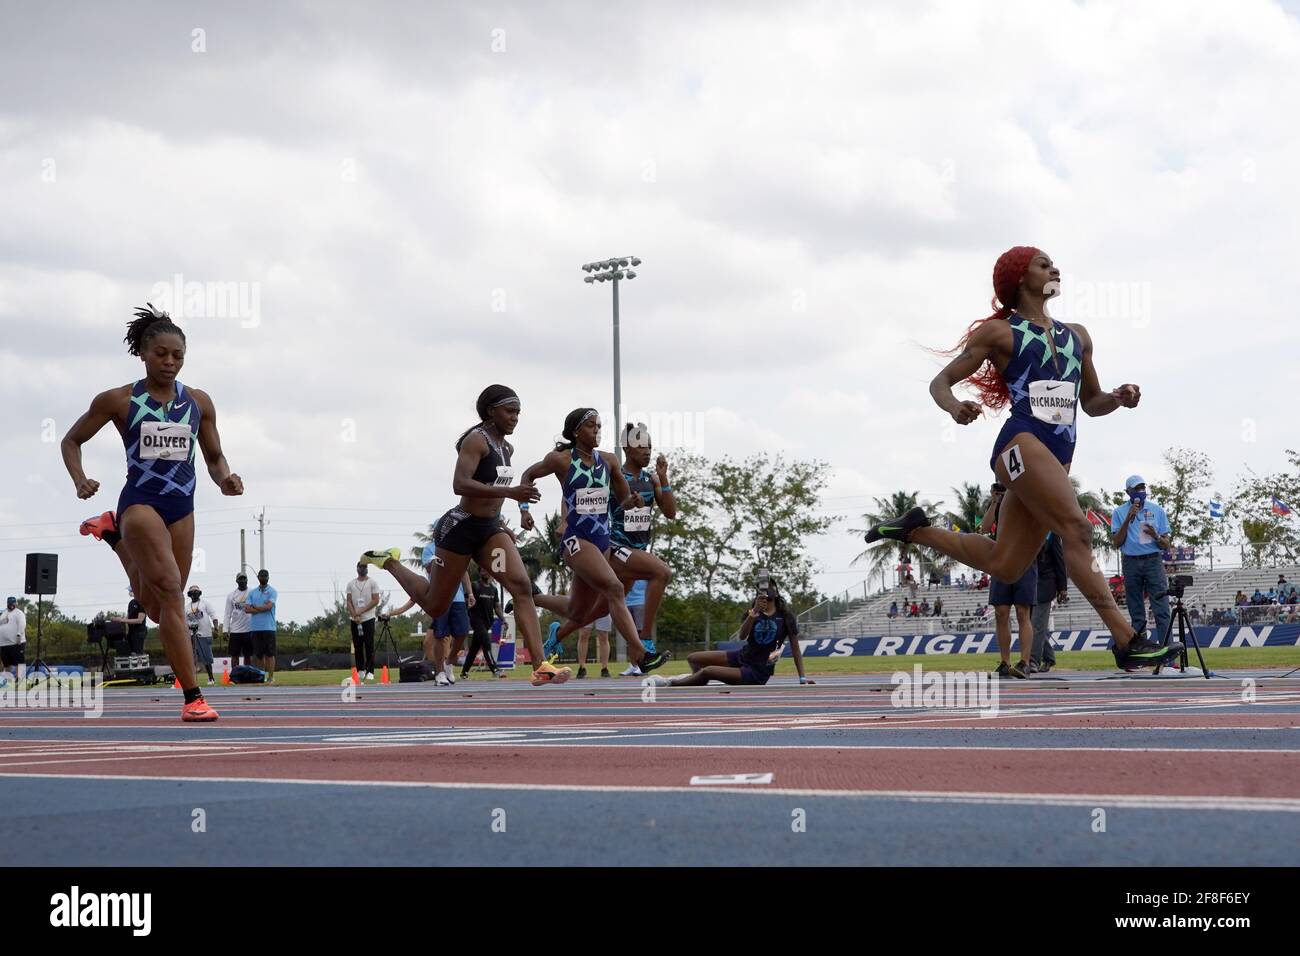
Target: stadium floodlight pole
612 270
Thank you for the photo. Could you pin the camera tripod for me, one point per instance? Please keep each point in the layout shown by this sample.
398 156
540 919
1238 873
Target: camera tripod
1178 615
386 634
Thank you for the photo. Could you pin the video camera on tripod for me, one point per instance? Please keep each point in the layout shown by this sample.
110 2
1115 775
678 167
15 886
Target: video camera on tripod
1179 584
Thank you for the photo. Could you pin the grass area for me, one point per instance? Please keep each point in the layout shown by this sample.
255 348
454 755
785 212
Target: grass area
1252 658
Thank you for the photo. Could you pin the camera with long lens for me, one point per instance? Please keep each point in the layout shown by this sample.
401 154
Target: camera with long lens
1179 584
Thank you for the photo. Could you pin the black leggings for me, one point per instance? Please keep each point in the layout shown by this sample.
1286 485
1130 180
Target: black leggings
363 644
482 639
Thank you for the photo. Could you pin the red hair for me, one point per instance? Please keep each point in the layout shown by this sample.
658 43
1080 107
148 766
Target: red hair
1007 273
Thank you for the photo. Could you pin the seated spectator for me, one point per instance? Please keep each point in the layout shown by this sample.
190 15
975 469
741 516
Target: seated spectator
1281 582
1240 599
916 611
1271 596
1230 616
893 609
983 583
1257 597
981 610
1293 616
925 608
938 606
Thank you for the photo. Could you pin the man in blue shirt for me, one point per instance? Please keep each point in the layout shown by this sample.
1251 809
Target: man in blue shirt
261 623
1140 530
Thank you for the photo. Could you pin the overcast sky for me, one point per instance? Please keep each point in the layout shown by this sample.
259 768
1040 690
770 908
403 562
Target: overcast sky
402 195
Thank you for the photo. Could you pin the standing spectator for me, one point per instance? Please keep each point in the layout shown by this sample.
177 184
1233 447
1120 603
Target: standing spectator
893 609
201 617
602 627
1052 586
261 605
13 637
238 623
635 601
136 627
936 579
482 616
938 606
363 598
1140 530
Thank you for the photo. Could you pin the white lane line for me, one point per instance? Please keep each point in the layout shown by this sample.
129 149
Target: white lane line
1133 801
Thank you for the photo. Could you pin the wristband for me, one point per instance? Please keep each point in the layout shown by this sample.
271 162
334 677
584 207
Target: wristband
666 488
523 506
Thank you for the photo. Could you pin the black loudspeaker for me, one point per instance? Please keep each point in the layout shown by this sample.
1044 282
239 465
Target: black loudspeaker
42 574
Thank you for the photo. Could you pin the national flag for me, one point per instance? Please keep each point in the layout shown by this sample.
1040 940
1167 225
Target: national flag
1280 507
1216 509
1097 519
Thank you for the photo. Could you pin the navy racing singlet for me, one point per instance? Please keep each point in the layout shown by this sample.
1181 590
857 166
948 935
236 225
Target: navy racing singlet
586 492
632 527
1044 388
160 442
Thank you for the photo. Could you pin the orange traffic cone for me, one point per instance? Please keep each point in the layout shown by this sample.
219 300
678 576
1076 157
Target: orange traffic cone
384 678
176 683
356 678
225 677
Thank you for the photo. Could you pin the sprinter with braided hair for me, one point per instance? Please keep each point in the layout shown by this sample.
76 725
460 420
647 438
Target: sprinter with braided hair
160 421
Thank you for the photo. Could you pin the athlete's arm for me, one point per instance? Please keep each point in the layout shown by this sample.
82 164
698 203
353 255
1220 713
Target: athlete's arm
626 496
104 407
664 499
1092 399
797 654
210 443
403 609
473 450
990 341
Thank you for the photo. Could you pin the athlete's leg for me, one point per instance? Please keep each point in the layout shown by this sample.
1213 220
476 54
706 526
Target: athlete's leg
555 603
727 675
644 566
1042 490
701 659
1002 626
154 550
590 564
1024 615
432 592
500 552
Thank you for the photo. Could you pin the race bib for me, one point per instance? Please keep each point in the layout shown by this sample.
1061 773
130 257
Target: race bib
591 501
165 441
1052 402
636 519
505 476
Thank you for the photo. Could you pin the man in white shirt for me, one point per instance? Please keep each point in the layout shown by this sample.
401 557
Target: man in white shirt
363 598
13 636
238 622
202 618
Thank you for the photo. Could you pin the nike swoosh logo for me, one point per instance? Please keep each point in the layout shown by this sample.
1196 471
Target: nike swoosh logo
404 660
1052 388
887 527
178 407
296 663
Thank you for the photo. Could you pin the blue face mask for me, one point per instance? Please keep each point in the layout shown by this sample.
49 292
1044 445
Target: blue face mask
1139 496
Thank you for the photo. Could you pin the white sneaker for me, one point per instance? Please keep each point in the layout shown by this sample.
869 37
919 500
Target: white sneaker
632 671
441 679
370 675
451 674
211 682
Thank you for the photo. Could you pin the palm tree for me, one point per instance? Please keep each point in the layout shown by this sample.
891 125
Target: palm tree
424 538
972 502
883 553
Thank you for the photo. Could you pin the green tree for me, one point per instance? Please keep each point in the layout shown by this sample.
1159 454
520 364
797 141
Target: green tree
971 503
886 553
1181 495
1266 533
